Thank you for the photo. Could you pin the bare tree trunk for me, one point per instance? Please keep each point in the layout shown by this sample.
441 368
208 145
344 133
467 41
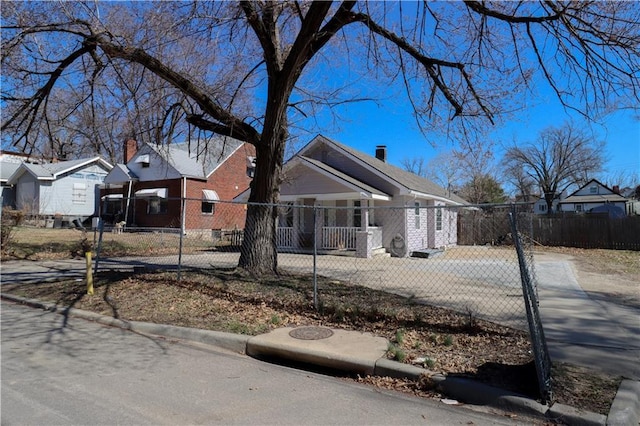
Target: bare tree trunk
259 250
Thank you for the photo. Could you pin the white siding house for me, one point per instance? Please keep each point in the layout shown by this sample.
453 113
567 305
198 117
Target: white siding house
67 188
366 203
594 197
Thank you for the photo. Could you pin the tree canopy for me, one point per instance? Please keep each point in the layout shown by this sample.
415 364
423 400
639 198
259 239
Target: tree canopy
558 158
255 70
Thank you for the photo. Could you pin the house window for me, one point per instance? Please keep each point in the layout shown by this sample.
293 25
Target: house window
438 219
417 214
357 215
209 197
579 207
79 193
207 207
593 190
157 206
251 166
542 207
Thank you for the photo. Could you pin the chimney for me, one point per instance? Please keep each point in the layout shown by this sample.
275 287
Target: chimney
130 149
381 152
616 189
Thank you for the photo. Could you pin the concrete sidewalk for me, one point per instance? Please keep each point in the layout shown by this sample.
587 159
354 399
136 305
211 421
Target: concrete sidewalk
579 330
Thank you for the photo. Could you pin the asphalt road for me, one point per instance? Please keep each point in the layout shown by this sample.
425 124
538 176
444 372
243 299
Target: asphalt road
80 372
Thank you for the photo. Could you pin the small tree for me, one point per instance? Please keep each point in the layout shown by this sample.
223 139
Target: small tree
560 157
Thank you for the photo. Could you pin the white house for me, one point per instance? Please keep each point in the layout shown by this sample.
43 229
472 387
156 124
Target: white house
366 204
595 197
67 188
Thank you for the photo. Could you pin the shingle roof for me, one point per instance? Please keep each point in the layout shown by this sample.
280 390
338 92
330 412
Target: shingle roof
7 169
198 159
409 180
49 171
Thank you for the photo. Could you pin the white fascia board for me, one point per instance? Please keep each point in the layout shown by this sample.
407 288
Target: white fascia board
356 188
336 196
418 194
224 160
81 165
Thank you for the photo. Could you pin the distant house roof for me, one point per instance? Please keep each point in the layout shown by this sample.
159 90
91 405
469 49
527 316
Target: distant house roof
409 180
52 171
610 197
7 169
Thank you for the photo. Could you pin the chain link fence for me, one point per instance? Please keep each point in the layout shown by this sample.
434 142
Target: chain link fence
452 257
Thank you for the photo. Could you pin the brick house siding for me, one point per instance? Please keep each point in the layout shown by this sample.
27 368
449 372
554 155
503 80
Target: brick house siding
228 180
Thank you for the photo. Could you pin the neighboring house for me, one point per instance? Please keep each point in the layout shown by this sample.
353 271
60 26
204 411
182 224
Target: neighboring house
595 197
541 207
633 197
148 189
65 189
355 189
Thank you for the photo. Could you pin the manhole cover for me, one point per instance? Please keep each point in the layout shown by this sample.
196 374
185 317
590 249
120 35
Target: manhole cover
311 333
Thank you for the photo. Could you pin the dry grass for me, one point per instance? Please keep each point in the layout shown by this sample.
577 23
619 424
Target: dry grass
443 340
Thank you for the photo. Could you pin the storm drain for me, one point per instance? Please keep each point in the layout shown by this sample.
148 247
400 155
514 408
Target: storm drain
311 333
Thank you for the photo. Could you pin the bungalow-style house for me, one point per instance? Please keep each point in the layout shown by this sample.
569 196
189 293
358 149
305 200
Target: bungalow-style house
356 193
148 190
66 189
595 197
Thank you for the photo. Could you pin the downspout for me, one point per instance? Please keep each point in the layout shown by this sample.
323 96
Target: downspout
183 219
126 211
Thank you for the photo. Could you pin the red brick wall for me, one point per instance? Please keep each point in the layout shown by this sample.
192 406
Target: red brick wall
228 180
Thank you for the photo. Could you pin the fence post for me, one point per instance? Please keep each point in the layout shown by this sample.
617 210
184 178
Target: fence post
315 258
101 227
182 232
536 332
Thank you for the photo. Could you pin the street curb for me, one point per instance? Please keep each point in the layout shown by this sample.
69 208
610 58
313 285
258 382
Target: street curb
625 409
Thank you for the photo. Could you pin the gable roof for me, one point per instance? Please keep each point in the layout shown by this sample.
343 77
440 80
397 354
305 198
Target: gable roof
413 183
197 161
52 171
7 169
612 197
348 180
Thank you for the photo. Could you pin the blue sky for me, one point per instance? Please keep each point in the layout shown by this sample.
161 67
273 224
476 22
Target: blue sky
367 125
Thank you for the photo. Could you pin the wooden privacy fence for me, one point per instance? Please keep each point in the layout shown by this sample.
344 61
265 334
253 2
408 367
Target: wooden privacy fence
583 231
588 231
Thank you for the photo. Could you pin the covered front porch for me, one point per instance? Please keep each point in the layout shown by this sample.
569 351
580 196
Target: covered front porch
330 225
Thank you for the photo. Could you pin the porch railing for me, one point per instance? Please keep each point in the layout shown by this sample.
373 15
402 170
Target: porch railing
284 237
339 238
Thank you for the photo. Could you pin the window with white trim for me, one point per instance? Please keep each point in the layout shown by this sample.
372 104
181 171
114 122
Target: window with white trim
417 214
79 193
438 219
579 207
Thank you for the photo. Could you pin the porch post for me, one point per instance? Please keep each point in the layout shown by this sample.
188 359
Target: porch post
364 211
